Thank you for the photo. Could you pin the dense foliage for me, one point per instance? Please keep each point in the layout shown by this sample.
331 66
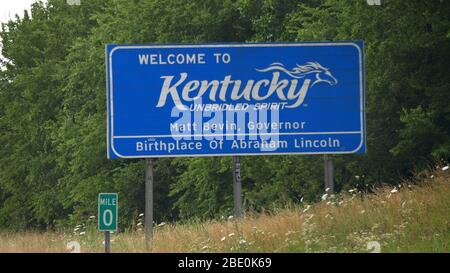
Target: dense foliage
52 104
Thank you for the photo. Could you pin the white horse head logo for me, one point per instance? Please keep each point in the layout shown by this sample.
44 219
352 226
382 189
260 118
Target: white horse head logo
301 71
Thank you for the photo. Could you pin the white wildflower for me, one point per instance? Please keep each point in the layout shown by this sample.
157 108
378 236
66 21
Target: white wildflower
324 197
230 217
445 168
307 208
394 190
82 233
162 224
140 215
223 238
231 234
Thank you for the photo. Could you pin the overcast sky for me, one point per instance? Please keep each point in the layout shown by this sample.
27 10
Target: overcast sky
8 8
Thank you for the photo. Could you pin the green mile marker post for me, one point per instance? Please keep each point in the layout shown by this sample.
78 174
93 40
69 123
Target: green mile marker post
108 204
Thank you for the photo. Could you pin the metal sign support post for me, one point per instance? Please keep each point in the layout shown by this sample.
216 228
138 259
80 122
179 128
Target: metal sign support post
107 242
237 187
329 173
148 201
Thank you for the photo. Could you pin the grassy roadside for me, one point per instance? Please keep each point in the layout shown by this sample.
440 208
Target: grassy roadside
412 218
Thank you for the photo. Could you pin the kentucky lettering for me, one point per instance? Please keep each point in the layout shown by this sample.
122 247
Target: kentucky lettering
183 90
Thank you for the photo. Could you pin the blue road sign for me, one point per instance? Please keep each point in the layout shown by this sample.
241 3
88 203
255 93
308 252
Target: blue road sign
235 99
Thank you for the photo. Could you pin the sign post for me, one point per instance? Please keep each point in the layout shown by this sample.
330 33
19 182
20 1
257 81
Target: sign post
237 187
329 174
107 215
107 242
148 217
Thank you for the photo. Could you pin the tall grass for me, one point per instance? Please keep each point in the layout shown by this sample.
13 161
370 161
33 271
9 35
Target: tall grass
412 217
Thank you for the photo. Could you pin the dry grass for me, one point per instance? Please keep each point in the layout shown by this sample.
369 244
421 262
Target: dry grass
402 219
